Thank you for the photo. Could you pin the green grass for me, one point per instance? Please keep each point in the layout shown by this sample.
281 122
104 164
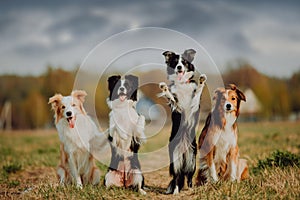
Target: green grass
28 160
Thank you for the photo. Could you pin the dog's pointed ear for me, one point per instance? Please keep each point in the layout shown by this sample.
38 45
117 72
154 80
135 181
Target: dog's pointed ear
134 81
168 55
54 101
79 94
189 55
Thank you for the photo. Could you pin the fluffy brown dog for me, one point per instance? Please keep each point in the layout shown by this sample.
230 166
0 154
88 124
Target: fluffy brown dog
219 152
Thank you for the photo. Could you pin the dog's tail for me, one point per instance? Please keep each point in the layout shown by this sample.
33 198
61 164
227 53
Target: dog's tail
99 144
202 175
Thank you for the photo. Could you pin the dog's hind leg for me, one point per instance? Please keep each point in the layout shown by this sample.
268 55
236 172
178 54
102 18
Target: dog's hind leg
179 183
243 171
62 175
190 179
95 176
138 180
171 186
176 184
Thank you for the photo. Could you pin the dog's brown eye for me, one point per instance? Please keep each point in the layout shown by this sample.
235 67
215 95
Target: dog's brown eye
232 98
63 107
73 105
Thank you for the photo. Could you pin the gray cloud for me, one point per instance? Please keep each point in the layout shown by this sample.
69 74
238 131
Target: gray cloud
34 33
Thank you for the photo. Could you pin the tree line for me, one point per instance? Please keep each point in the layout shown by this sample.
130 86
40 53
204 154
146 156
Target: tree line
29 94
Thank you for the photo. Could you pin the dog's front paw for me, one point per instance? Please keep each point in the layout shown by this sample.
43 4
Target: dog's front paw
202 79
163 86
142 192
79 185
165 91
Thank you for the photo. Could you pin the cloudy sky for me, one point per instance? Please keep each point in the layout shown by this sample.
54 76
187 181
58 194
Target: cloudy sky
34 33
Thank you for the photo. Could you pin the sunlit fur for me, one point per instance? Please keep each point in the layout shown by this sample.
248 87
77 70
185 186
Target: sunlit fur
219 152
126 133
183 95
75 130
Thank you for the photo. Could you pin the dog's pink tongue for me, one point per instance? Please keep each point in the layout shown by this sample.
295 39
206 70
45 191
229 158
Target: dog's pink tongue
122 97
71 122
180 75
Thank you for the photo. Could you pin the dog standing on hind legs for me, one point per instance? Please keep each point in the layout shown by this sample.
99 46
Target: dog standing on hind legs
126 133
183 96
219 152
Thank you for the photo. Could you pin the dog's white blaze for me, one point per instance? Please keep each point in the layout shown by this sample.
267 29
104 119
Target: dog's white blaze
122 86
180 64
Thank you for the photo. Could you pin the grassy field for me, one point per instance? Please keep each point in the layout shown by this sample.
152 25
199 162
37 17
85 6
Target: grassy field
28 161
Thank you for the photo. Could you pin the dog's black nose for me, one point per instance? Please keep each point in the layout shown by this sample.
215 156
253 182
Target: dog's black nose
179 67
69 113
122 89
228 106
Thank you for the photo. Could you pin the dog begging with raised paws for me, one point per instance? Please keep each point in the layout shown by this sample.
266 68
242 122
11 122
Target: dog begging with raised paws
183 95
219 152
126 134
76 130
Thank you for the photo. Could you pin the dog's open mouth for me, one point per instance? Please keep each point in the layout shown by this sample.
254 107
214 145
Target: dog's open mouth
180 74
122 97
71 121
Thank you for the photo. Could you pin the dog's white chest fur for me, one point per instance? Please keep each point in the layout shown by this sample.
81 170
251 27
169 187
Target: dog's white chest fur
76 138
184 94
124 118
125 124
225 141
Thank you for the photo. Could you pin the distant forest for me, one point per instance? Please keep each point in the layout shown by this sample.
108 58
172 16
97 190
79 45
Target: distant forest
29 94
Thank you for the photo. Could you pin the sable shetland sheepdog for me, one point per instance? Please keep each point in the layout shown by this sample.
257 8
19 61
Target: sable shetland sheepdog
126 133
76 130
183 96
219 152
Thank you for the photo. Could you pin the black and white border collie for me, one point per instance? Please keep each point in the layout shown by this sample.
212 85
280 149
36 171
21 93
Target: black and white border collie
126 133
183 95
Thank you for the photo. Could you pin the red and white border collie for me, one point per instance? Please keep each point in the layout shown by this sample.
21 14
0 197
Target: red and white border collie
219 152
126 133
183 95
76 130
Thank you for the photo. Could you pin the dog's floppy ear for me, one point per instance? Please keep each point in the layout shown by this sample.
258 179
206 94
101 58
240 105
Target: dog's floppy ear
239 93
112 81
168 55
134 84
189 55
79 94
54 101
